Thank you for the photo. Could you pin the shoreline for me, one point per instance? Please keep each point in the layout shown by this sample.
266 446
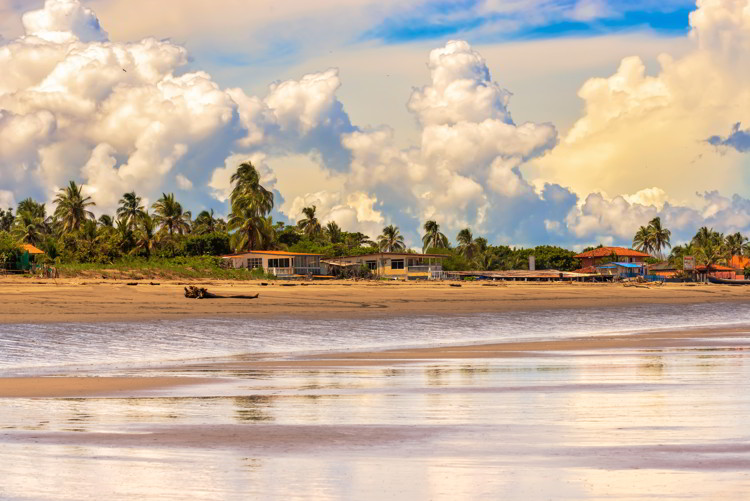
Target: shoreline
700 338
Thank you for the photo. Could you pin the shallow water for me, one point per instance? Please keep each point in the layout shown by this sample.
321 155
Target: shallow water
622 424
40 348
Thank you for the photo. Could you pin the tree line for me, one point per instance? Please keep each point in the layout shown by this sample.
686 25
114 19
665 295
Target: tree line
708 247
165 229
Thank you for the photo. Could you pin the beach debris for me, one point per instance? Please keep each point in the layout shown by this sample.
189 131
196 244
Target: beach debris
455 285
288 285
154 283
132 283
193 292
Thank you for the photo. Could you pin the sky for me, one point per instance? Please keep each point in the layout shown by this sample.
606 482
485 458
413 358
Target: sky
565 122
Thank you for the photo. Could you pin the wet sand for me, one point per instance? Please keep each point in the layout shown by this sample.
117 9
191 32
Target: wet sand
736 338
70 386
27 300
648 416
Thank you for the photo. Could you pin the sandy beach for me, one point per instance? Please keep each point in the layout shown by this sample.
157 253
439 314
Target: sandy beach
628 415
26 300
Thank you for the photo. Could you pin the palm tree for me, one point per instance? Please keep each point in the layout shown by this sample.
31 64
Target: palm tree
248 192
145 235
130 208
34 208
170 216
71 207
433 238
659 236
467 247
359 240
29 227
106 221
334 233
310 225
643 241
205 223
676 257
249 229
710 246
735 244
391 239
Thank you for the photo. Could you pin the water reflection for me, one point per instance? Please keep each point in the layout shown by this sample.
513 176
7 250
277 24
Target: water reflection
619 424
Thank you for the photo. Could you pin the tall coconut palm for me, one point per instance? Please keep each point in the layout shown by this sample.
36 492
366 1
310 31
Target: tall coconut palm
72 206
146 236
310 225
643 240
333 232
391 239
467 247
169 215
247 193
660 236
735 244
433 238
130 208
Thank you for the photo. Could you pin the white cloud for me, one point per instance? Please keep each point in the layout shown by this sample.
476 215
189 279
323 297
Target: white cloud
183 183
640 130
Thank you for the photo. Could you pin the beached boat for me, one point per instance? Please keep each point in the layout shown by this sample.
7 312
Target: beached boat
727 281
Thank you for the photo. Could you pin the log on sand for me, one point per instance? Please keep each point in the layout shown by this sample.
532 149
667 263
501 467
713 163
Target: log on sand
202 293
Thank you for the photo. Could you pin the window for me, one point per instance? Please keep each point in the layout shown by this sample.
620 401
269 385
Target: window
278 263
372 265
397 264
254 262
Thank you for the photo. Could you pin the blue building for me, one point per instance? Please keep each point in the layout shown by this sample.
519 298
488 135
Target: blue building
622 270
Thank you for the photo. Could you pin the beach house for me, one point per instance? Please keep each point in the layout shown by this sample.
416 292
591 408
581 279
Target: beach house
622 270
602 255
395 265
279 263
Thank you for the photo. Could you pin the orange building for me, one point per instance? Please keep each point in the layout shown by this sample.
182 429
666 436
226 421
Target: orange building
739 262
601 255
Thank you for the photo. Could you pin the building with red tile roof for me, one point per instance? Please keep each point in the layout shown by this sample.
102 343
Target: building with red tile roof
597 256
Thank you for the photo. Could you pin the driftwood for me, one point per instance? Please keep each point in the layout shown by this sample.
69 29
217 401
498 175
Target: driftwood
202 293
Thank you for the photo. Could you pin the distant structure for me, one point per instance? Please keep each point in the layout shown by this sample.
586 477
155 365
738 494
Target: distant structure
603 255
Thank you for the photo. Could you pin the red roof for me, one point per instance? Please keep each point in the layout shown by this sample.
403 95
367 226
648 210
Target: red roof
714 267
608 251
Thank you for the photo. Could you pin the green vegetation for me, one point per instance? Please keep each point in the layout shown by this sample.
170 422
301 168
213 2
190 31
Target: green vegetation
710 248
168 242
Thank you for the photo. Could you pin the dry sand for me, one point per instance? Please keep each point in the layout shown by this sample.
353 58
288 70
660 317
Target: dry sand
27 300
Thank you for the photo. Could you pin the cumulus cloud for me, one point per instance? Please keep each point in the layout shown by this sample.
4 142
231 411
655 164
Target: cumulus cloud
640 129
737 139
123 116
120 116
